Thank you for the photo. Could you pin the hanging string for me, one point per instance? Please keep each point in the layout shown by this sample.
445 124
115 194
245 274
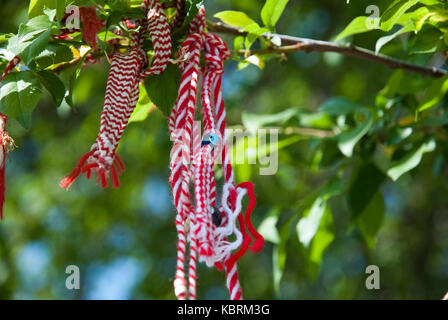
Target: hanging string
199 221
127 70
7 143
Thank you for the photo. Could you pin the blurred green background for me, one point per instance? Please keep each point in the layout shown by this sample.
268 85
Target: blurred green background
124 240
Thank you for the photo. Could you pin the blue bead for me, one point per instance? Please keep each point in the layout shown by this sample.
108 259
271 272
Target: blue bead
210 138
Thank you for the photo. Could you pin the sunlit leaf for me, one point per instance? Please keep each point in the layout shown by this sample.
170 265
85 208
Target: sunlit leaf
410 160
307 226
143 107
272 10
235 18
358 25
347 140
386 39
434 93
429 40
268 227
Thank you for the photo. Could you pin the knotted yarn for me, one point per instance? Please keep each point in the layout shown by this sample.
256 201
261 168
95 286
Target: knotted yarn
199 221
127 70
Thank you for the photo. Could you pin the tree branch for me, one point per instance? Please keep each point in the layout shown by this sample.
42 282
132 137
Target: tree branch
293 44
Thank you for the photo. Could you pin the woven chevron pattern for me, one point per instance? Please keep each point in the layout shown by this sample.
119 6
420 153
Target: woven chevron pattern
122 92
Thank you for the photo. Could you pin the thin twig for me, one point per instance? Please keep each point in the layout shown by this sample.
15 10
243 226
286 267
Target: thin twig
292 44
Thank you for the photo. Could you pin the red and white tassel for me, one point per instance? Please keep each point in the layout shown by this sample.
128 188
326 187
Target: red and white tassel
122 92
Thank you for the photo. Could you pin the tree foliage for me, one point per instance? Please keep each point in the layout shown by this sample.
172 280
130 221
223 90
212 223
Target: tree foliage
362 150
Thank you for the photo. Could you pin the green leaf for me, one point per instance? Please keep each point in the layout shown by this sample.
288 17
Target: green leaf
434 93
429 40
268 227
53 54
272 10
371 219
31 39
308 225
60 9
365 182
235 18
143 107
315 228
279 255
19 95
358 25
322 239
119 5
410 161
36 7
254 32
386 39
364 117
394 12
238 43
339 106
252 121
72 80
162 89
389 91
116 15
53 84
420 16
348 139
191 10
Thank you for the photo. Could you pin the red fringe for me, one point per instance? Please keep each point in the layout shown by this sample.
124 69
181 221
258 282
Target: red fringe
68 180
259 240
101 174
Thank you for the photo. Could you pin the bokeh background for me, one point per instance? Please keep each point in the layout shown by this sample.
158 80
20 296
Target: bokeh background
124 240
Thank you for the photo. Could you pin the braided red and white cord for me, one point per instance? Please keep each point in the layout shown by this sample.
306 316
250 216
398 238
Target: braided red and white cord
193 162
122 92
